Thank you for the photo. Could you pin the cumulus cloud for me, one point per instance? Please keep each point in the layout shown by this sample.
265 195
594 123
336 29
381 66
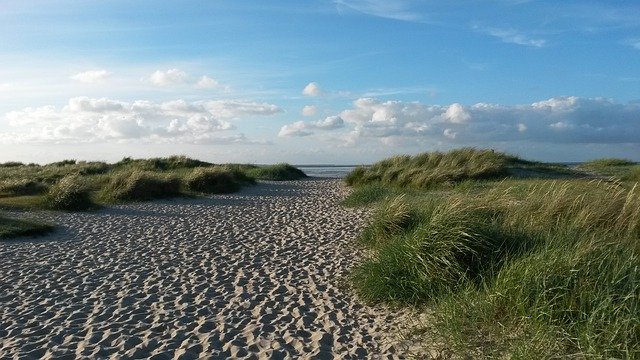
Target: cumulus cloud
86 119
556 120
231 109
168 77
301 128
91 76
456 114
309 110
206 82
312 89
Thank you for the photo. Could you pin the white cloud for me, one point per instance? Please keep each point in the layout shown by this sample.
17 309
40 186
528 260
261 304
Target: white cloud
312 89
301 128
298 128
512 36
522 127
206 82
456 114
91 76
448 133
231 109
389 9
556 120
309 110
169 77
93 120
635 43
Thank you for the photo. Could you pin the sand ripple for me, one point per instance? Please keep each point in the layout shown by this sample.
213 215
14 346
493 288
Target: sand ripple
258 274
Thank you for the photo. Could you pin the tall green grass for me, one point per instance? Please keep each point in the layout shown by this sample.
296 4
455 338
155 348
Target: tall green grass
71 193
160 164
22 187
434 168
517 268
41 186
278 172
620 169
139 185
217 180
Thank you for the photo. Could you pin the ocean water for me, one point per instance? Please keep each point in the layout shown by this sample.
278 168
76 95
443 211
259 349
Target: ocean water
328 171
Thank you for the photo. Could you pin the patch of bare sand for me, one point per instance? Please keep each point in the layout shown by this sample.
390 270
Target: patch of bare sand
257 274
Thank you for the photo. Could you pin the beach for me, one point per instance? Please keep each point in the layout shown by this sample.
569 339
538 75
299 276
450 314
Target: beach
257 274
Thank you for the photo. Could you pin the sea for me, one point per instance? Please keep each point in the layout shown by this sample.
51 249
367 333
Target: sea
327 171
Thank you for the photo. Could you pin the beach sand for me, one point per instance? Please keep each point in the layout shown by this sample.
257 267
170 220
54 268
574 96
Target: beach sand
256 274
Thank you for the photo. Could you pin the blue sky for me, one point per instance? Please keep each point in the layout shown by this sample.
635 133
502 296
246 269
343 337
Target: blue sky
318 81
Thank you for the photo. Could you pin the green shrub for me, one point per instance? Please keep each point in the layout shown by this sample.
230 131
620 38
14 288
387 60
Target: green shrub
140 185
214 180
278 172
70 193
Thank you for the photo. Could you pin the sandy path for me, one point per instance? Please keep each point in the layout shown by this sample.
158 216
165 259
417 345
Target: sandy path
258 274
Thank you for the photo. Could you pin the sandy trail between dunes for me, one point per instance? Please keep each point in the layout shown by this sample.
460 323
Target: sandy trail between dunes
257 274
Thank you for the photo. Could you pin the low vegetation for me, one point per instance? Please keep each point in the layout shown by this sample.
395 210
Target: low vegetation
278 172
71 185
621 169
71 193
13 228
519 267
432 169
217 180
139 185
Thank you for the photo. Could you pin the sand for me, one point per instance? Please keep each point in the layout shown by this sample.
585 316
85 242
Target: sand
256 274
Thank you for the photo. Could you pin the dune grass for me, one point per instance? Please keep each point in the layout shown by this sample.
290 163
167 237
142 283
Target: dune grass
525 268
277 172
620 169
217 180
71 193
72 185
14 228
435 169
139 185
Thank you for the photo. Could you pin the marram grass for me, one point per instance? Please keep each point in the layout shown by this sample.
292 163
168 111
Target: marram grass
517 268
13 228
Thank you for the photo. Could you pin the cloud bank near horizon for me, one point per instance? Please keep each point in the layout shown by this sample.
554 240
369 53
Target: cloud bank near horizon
571 120
91 120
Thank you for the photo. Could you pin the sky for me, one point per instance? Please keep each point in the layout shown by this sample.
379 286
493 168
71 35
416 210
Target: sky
318 81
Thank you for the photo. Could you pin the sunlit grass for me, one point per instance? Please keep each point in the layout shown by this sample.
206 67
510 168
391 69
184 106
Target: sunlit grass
525 268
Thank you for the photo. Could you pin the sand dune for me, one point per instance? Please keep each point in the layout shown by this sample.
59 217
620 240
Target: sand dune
258 274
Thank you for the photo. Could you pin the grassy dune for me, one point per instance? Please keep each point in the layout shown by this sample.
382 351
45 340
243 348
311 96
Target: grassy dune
76 185
514 265
431 169
71 185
